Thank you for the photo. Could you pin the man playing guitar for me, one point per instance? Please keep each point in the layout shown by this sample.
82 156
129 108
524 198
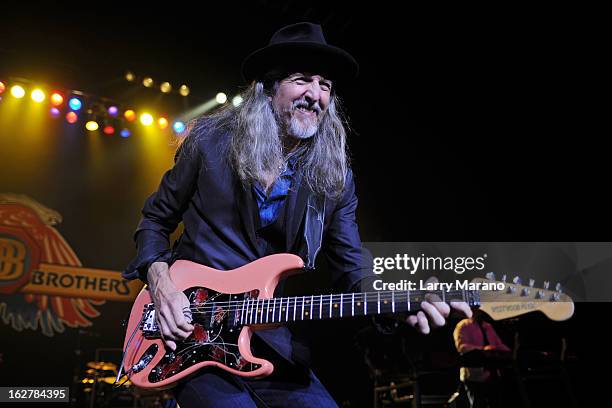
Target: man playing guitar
270 176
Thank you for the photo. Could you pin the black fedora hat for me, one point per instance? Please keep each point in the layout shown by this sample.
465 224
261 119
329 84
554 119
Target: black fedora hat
300 47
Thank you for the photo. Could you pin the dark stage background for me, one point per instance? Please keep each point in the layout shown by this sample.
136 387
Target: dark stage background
468 125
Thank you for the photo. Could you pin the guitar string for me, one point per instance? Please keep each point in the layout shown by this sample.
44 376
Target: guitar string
347 297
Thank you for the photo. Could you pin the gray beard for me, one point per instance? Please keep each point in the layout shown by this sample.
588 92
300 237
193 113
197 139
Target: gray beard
301 130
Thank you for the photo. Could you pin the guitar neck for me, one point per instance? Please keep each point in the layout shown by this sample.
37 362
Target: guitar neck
319 307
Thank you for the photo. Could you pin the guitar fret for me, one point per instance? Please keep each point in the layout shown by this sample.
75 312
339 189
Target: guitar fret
321 308
341 305
247 313
273 310
393 301
242 311
268 311
408 300
311 304
261 310
235 312
251 311
280 309
254 311
352 304
287 311
378 302
365 303
331 300
294 307
303 301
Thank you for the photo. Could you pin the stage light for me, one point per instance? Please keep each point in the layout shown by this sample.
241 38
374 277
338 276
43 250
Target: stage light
221 98
2 87
148 82
146 119
17 91
72 117
178 126
130 76
130 115
125 133
75 104
166 87
38 96
55 112
56 99
237 100
184 90
91 125
113 111
108 130
162 123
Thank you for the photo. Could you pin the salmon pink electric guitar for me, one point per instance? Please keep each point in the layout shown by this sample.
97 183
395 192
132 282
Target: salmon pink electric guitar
227 306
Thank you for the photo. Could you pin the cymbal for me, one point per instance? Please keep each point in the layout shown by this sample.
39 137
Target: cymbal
111 381
108 380
101 365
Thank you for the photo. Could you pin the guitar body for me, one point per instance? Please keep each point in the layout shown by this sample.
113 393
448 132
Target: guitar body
218 339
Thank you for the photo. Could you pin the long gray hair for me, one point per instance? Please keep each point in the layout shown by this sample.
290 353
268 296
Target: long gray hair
255 151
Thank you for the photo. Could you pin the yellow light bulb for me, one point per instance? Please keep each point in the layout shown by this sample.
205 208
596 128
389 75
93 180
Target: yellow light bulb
146 119
17 91
166 87
38 95
221 98
91 126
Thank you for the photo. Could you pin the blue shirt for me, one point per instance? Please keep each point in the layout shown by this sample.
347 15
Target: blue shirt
270 205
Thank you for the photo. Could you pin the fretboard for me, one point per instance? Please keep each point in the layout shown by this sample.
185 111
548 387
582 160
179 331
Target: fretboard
318 307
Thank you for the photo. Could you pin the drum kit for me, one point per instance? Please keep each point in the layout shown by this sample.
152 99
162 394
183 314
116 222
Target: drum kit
99 389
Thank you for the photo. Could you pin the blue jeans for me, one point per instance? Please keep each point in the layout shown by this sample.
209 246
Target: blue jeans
214 388
290 385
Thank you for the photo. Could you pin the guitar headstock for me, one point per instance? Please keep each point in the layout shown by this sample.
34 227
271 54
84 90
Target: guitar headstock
517 299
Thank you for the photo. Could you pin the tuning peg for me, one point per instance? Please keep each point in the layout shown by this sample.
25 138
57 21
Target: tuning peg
516 280
555 297
540 294
558 288
546 285
531 283
490 276
504 278
525 292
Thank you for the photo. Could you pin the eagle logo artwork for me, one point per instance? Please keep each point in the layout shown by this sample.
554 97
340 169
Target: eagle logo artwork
27 240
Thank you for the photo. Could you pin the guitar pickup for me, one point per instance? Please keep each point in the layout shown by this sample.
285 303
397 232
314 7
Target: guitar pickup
149 326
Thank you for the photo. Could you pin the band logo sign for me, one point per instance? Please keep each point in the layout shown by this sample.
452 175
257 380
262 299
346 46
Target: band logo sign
43 285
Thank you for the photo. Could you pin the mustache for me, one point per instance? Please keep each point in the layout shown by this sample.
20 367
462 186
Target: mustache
303 103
